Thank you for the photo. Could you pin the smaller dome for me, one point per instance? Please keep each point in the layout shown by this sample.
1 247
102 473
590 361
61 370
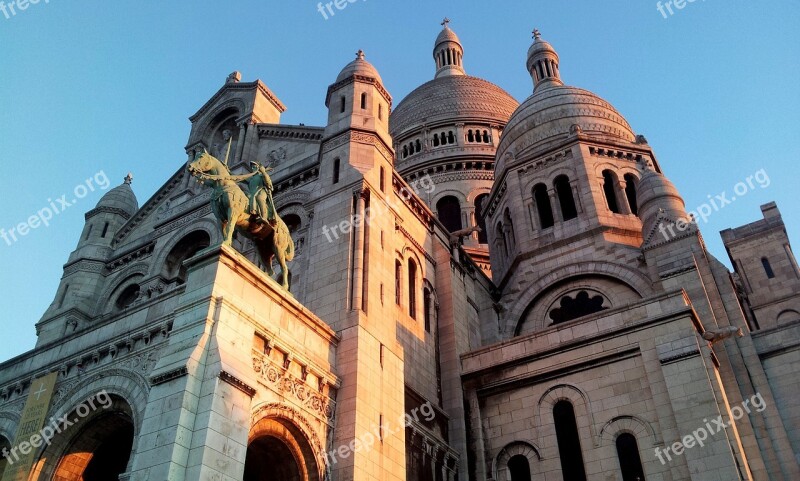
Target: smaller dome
446 35
657 194
359 66
121 197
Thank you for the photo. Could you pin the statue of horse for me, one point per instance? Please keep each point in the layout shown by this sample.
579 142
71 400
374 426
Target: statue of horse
230 206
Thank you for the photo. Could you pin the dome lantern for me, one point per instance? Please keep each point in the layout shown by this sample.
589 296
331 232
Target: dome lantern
448 52
542 63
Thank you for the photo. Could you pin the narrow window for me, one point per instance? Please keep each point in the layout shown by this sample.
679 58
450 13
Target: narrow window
417 146
470 137
610 191
501 238
89 231
565 199
380 111
398 271
569 444
449 212
63 296
547 66
435 140
543 207
449 58
519 468
630 193
341 104
336 170
363 101
451 139
767 267
629 461
105 231
426 306
405 151
443 139
539 68
381 181
479 220
412 288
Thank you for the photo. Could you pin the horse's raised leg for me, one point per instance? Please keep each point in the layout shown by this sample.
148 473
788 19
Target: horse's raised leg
227 230
284 272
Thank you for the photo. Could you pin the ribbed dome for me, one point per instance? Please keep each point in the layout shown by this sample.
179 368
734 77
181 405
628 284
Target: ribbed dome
446 35
452 98
120 197
359 66
550 114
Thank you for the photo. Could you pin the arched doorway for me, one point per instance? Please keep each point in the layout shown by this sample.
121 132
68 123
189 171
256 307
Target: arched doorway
97 448
279 451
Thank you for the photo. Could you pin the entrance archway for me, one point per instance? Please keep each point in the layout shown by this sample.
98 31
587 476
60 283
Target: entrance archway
96 448
279 451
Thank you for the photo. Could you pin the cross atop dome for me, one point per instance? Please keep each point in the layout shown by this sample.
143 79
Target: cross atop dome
360 54
537 34
445 23
128 178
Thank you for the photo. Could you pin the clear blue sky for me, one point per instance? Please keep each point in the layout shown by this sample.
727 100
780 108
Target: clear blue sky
91 86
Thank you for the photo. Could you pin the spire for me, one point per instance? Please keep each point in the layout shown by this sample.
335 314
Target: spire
448 52
543 63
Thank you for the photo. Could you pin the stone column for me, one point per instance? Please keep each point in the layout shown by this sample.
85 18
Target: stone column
358 254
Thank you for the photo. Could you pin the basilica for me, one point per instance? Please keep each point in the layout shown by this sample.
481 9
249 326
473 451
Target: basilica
478 289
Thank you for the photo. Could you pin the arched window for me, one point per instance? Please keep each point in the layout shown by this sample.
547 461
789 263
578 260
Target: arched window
572 308
341 104
412 288
449 212
519 468
470 137
128 296
363 101
767 268
336 163
610 190
435 140
187 247
630 193
442 139
479 220
398 273
542 201
451 139
292 221
485 137
511 241
405 151
417 146
565 199
427 305
569 444
629 461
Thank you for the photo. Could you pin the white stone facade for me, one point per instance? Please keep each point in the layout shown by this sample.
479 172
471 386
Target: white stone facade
570 339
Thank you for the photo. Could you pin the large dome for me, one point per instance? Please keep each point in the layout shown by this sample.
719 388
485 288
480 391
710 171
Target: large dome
552 113
452 98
